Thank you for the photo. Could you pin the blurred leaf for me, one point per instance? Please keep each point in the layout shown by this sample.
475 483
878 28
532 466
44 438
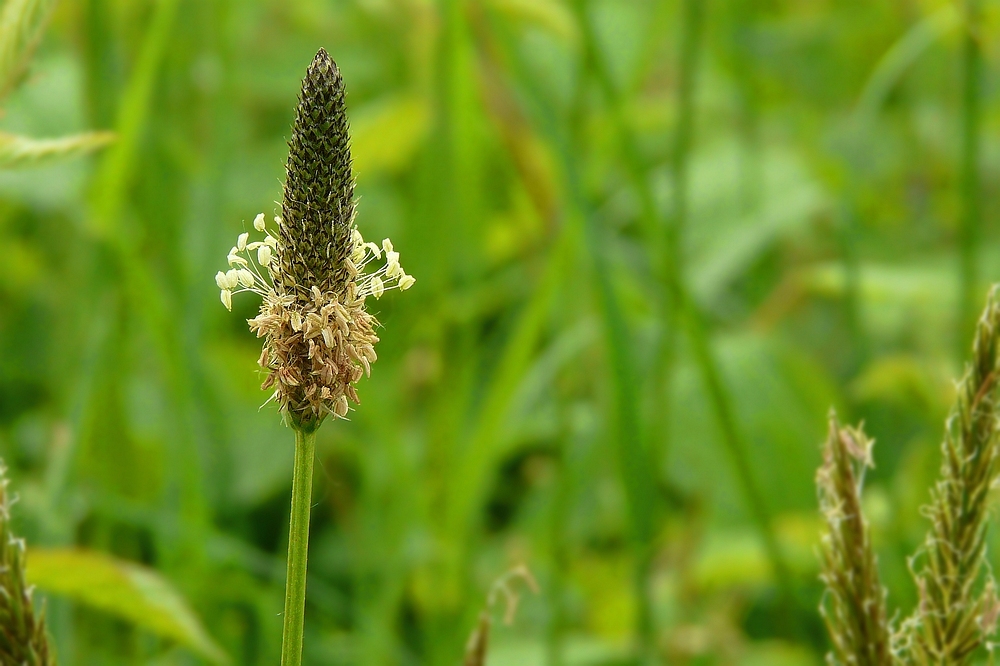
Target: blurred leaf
21 151
735 557
21 24
912 302
387 134
725 238
550 15
123 589
778 653
904 379
781 397
902 55
576 650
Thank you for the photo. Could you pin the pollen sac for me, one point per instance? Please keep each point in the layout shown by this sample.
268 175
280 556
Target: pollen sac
264 255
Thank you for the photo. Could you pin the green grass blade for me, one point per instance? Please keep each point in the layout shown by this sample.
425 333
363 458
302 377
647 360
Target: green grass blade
970 222
633 456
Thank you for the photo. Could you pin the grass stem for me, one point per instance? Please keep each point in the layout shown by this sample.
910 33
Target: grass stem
970 223
298 548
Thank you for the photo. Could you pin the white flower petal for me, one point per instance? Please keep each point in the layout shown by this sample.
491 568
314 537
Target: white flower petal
258 222
241 242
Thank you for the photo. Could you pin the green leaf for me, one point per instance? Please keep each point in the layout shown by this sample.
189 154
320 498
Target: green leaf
387 134
549 15
21 151
21 24
129 591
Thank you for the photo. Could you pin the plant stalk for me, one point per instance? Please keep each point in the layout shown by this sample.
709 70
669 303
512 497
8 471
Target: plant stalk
971 217
298 548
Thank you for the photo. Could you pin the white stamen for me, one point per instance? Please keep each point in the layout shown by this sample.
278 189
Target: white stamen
340 407
246 278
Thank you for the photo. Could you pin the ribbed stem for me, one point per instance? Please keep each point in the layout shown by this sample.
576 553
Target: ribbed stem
298 548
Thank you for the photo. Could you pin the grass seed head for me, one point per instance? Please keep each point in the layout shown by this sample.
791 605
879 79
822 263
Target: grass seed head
23 637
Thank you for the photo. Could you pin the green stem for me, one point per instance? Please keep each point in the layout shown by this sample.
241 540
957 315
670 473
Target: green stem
969 226
298 548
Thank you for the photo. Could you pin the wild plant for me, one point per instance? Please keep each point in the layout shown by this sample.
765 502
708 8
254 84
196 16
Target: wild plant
22 23
23 637
958 608
310 271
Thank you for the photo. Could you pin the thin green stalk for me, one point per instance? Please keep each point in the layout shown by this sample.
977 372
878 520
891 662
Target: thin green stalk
742 58
681 309
672 234
969 227
298 548
736 445
884 78
638 173
634 459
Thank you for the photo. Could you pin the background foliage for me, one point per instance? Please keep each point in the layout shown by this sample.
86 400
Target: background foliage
655 241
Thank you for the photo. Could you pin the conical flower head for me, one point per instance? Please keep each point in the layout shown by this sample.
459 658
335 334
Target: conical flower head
319 339
318 206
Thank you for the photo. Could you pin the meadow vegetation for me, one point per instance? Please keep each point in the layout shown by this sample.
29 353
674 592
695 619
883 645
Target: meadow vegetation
655 242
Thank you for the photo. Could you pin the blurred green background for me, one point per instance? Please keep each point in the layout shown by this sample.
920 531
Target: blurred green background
655 241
